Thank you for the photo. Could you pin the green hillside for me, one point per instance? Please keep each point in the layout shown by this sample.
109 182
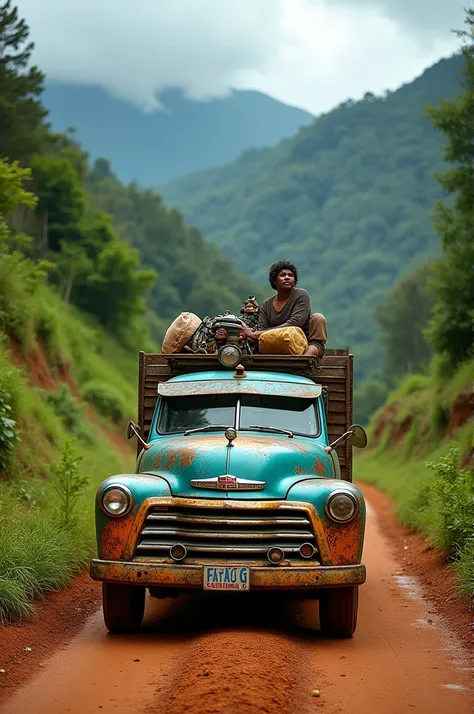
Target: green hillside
348 199
191 272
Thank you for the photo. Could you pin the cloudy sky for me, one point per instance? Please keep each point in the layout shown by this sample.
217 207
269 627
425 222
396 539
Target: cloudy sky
311 53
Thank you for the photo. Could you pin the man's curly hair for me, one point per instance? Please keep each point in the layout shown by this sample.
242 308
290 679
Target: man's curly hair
278 267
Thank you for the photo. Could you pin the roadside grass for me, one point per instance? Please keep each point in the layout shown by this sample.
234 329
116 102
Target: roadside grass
421 470
39 551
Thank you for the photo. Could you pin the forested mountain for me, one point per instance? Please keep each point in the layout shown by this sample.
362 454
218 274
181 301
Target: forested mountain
191 272
184 136
348 199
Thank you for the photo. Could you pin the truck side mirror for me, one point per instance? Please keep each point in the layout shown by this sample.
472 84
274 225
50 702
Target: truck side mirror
358 438
355 435
134 430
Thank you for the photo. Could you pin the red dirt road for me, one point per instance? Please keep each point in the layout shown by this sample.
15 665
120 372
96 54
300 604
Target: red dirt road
232 654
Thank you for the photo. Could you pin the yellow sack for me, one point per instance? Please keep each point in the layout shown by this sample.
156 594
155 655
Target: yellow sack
283 341
180 332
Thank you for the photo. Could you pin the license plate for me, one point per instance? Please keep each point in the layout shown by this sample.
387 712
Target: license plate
226 577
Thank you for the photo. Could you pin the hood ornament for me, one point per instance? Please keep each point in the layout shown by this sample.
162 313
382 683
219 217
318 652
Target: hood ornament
227 482
230 434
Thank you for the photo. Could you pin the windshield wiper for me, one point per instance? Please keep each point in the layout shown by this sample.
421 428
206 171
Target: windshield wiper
272 428
206 428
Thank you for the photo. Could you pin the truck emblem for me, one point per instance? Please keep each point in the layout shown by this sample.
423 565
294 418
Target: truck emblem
227 482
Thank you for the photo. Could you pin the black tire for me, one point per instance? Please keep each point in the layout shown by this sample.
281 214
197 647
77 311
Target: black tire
123 607
338 611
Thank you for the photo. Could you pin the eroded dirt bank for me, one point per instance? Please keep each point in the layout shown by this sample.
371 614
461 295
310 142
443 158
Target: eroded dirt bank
243 655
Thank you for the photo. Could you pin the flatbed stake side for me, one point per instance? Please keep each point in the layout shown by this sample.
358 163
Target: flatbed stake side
243 482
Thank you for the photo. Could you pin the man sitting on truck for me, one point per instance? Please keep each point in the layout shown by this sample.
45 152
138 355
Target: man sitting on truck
290 307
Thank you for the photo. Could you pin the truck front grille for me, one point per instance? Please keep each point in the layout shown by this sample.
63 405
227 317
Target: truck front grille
223 534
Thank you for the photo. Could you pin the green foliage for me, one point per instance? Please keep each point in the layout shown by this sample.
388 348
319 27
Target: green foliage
453 492
192 275
21 112
62 197
115 289
9 398
464 567
107 400
452 327
368 397
68 482
347 199
409 385
437 497
402 316
36 556
12 191
66 407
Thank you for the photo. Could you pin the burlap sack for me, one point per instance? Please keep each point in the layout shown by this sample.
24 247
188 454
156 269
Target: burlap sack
180 332
283 341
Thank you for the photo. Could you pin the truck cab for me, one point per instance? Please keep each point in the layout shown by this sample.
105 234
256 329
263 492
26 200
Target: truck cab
243 482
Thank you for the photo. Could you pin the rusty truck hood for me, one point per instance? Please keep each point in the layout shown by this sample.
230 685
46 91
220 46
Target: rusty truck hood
277 461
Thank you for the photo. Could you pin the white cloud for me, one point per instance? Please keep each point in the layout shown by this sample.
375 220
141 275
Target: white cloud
313 53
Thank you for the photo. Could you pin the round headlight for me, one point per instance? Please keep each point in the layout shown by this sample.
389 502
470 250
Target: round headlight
116 501
341 506
229 356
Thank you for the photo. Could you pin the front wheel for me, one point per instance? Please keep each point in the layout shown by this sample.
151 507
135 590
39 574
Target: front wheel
123 607
338 611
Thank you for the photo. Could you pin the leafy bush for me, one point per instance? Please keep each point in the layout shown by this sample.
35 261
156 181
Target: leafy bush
10 397
66 407
464 568
68 482
106 399
453 492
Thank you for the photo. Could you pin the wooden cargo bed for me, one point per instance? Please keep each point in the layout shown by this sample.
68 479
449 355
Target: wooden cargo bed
334 372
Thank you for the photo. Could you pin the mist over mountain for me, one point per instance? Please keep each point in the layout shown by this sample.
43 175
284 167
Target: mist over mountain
184 136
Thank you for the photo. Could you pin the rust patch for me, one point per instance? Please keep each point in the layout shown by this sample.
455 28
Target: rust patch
115 536
299 471
345 542
319 468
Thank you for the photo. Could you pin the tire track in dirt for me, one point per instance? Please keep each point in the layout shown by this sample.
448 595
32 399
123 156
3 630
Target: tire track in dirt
218 653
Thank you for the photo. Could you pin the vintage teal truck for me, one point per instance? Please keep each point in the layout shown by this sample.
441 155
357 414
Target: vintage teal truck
243 482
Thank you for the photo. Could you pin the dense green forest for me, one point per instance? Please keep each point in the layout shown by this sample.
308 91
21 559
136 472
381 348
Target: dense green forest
160 145
429 415
348 199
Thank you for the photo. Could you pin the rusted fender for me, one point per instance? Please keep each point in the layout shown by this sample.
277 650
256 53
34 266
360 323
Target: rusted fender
191 576
339 543
113 534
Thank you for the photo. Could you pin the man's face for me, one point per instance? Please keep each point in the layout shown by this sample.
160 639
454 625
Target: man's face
285 280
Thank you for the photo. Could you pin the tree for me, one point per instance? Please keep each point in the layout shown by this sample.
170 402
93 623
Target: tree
451 329
402 316
62 197
115 289
21 113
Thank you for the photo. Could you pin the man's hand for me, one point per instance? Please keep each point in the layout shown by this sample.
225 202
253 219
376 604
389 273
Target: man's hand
247 333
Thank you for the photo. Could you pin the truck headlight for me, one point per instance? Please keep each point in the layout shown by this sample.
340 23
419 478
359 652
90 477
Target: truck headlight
341 506
229 356
116 501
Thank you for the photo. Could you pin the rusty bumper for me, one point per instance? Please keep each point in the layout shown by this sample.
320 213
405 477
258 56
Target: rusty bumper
261 577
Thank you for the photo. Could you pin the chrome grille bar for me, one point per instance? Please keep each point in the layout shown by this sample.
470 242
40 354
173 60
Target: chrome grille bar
227 534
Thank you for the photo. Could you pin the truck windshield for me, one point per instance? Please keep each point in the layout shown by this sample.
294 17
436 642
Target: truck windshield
178 414
181 413
297 415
